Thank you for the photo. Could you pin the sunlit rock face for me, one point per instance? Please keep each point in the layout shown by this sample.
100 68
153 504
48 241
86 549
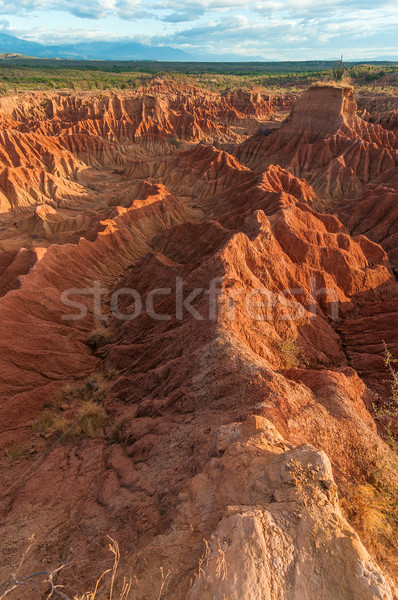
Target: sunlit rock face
237 378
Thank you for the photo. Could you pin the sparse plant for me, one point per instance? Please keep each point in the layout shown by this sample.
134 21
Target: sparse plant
339 70
125 584
175 142
99 337
221 561
89 418
386 411
43 582
291 355
216 557
16 451
39 580
164 582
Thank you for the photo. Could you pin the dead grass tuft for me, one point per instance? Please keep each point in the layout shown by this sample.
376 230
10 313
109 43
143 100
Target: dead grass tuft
108 586
330 83
76 411
365 509
89 418
16 451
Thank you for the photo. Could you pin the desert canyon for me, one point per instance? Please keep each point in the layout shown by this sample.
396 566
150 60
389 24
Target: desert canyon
232 447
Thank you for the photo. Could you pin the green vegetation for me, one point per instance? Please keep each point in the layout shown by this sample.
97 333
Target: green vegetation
175 142
291 354
16 451
339 70
17 74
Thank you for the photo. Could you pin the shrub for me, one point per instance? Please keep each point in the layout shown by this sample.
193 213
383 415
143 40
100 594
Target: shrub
175 142
16 451
100 336
291 354
386 412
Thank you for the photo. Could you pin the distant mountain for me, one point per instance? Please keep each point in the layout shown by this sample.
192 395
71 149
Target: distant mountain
386 58
121 50
211 57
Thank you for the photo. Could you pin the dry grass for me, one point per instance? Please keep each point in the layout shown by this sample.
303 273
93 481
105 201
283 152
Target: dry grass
365 508
328 83
44 422
93 388
76 411
386 411
109 586
89 418
372 509
110 594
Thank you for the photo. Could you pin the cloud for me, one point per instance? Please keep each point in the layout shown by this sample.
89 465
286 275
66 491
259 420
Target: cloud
182 17
294 35
89 9
291 29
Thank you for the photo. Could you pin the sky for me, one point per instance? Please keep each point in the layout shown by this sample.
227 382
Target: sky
270 29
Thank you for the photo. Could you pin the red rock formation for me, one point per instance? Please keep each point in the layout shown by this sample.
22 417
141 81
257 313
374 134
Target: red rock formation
375 214
221 409
379 108
49 140
325 142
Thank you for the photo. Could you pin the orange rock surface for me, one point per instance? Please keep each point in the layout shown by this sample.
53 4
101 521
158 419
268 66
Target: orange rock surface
236 422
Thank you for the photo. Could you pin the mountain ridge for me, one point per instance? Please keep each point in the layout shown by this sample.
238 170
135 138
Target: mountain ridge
126 50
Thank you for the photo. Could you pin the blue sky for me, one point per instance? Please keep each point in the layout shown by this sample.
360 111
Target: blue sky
272 29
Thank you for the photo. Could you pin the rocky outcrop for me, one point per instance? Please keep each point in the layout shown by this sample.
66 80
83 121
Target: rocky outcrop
375 215
271 524
242 364
283 547
379 108
48 139
325 142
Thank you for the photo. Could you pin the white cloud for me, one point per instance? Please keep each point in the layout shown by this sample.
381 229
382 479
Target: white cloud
294 29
